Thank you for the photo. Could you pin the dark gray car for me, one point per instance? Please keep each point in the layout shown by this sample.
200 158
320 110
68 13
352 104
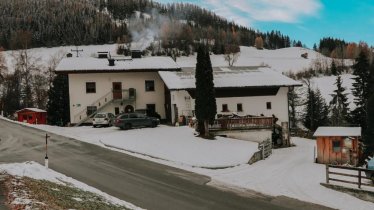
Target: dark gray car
127 121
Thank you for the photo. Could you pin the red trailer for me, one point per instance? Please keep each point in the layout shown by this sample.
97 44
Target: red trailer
32 116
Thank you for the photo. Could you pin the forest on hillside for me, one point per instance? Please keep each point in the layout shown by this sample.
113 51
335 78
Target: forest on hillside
48 23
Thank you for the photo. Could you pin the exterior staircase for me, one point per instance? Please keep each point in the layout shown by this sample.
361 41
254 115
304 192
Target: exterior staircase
128 95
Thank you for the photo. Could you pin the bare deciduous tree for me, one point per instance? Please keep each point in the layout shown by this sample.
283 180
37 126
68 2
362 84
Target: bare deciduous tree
232 53
27 65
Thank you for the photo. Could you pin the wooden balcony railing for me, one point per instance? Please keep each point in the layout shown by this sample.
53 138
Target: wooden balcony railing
244 123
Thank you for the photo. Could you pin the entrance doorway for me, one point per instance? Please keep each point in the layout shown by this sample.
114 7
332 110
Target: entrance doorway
129 109
117 90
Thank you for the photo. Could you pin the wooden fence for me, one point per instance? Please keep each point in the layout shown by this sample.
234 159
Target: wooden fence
360 176
266 148
244 123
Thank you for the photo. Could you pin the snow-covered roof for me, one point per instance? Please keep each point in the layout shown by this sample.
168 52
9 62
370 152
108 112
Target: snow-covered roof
91 64
338 131
32 109
229 77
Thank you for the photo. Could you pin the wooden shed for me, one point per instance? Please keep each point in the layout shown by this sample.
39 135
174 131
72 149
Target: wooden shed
338 145
32 116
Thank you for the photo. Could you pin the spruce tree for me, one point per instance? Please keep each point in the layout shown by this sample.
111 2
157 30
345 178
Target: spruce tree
322 110
339 105
316 113
334 70
294 102
12 93
58 104
205 103
369 135
361 90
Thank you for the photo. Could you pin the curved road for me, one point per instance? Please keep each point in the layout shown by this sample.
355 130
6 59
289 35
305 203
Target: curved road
146 184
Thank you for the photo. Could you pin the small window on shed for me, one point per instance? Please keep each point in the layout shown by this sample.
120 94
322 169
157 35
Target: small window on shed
336 146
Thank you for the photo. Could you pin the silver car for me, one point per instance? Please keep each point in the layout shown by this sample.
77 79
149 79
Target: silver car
103 119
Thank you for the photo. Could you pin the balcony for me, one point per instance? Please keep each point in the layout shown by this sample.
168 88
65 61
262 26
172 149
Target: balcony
242 123
124 95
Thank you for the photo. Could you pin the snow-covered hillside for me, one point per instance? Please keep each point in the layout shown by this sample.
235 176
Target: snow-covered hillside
44 54
282 60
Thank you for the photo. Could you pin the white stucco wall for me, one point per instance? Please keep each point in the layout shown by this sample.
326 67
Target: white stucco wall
78 95
254 105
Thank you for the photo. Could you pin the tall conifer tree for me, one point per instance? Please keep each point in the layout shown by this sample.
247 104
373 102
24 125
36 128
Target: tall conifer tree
361 90
58 104
334 70
339 105
369 135
205 103
316 113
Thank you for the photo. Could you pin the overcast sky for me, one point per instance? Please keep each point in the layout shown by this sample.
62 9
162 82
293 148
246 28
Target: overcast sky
305 20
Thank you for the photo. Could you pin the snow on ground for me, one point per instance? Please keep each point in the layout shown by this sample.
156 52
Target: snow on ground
36 171
290 171
174 144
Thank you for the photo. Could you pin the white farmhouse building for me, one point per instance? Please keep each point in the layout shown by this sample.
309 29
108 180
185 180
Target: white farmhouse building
158 84
256 91
115 85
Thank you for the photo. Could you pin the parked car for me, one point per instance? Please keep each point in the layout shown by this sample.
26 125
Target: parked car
127 121
103 119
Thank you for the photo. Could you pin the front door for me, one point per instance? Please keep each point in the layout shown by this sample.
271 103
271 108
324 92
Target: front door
117 90
129 109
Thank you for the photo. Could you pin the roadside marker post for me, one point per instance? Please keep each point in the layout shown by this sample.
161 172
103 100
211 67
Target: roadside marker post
46 151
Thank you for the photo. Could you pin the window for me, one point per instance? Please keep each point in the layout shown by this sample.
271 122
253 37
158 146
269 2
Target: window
239 107
90 87
151 109
336 146
91 110
125 116
116 110
149 85
268 105
225 108
133 115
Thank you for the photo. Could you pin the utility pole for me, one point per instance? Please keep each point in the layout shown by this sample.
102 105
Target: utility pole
77 50
46 150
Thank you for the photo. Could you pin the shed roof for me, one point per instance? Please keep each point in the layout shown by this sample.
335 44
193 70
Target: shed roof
31 109
338 131
91 64
225 77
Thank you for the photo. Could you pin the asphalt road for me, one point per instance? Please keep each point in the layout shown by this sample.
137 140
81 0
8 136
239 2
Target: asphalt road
146 184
